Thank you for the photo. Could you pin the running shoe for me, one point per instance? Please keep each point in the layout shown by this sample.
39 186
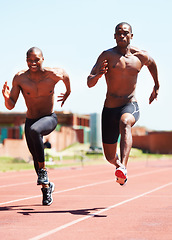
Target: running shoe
42 177
121 174
47 194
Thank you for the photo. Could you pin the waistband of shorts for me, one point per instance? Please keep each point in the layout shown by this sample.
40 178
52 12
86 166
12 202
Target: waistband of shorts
53 114
134 102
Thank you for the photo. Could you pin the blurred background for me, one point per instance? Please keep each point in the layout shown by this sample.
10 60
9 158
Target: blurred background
72 34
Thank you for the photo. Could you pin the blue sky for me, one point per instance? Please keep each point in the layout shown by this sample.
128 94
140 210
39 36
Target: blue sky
72 34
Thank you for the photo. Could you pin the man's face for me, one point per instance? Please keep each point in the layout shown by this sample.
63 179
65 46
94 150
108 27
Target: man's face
123 35
34 61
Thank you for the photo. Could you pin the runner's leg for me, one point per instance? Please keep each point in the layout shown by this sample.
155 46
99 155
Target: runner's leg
30 145
126 122
40 128
110 153
34 130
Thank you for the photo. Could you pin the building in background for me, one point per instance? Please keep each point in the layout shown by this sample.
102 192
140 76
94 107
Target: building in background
95 131
11 126
152 141
74 128
71 128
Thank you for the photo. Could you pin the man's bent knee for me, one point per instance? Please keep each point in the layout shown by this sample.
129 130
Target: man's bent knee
127 120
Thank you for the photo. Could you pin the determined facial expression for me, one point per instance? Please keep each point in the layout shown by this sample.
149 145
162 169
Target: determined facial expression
123 35
34 61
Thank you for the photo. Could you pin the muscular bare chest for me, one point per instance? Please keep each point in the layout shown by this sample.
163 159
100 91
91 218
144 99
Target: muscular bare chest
130 65
31 88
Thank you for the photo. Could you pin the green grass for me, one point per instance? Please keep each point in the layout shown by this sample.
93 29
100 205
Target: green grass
13 164
74 156
138 154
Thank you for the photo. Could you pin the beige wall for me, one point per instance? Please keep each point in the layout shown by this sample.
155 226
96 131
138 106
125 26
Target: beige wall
154 142
59 140
15 148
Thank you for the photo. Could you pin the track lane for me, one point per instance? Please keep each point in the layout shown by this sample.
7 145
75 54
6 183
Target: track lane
86 195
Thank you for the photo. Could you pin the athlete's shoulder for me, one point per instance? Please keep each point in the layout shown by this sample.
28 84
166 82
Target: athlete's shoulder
106 54
20 76
137 51
55 73
134 49
109 51
141 54
21 73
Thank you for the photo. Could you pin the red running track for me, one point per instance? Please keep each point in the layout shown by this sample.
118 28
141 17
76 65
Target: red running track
89 204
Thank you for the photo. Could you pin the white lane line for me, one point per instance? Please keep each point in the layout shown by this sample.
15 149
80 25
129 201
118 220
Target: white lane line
66 177
32 172
16 184
99 212
61 191
18 174
82 186
58 178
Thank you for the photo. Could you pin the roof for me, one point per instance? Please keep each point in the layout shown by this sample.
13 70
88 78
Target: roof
18 118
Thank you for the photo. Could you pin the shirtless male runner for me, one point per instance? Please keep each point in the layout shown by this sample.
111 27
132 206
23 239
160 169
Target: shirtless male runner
121 66
37 86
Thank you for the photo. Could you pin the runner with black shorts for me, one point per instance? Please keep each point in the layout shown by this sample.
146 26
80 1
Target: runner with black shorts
121 65
111 119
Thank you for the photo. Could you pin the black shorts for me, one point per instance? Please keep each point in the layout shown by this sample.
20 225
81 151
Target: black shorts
111 118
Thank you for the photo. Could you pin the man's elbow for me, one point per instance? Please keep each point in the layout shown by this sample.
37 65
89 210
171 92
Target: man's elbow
9 106
89 85
69 92
89 82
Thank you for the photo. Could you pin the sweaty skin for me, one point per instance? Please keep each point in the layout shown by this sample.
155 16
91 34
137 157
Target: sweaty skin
37 86
121 72
121 65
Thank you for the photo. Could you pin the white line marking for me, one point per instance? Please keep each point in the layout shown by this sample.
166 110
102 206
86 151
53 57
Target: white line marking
24 174
61 191
83 186
15 184
99 212
58 178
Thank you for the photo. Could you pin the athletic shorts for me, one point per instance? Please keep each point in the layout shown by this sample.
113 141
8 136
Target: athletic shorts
111 118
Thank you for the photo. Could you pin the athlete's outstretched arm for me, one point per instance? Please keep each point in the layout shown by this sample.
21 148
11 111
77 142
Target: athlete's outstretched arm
11 97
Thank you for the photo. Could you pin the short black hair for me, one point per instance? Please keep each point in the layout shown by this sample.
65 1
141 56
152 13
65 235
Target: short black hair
33 49
122 23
